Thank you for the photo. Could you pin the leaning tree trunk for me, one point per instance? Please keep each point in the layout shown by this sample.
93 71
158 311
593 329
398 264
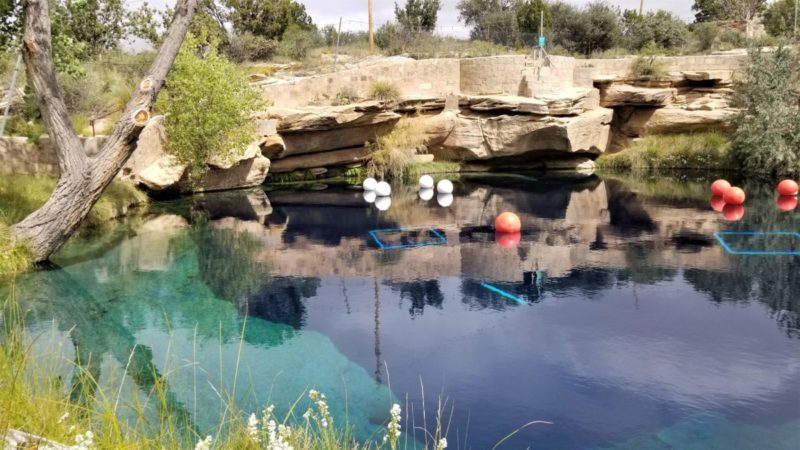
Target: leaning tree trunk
83 179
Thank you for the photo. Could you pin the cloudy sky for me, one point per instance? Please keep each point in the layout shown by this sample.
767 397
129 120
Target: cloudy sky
354 12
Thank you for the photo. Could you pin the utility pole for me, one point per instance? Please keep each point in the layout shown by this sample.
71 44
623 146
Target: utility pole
371 30
641 7
10 94
796 2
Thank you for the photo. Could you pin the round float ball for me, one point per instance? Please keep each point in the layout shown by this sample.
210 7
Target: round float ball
733 212
444 200
507 222
508 240
719 187
787 203
383 189
426 194
383 203
370 184
426 182
369 196
445 187
788 187
717 203
734 196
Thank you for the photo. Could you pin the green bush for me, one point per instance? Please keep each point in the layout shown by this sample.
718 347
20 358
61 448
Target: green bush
394 153
705 35
663 152
648 65
208 104
385 91
250 47
767 137
297 42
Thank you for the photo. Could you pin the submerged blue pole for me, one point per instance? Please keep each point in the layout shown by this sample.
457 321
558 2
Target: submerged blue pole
505 294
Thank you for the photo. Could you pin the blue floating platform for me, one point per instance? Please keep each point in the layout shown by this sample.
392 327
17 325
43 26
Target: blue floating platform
759 242
505 294
407 237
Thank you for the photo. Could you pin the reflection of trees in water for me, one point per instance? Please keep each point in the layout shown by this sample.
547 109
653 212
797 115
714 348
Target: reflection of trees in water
230 264
421 293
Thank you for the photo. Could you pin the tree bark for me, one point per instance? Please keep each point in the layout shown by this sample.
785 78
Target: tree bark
82 179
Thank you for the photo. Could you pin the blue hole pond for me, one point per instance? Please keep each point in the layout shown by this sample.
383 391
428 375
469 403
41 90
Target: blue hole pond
616 316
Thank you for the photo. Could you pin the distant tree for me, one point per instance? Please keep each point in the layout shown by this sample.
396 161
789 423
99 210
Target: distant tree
662 28
267 18
779 18
592 29
418 15
711 10
10 21
529 16
491 20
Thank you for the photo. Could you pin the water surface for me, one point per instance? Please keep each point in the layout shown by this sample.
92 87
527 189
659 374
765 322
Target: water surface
617 316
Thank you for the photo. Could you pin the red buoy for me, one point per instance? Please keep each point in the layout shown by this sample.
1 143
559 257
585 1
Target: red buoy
734 196
733 212
508 240
788 187
787 203
719 187
507 223
717 203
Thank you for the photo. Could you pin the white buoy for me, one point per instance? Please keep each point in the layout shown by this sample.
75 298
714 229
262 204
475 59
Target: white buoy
426 182
445 187
426 194
383 203
370 184
444 200
383 189
369 196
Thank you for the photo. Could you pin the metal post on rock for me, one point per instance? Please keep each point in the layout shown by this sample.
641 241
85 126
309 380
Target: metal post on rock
336 55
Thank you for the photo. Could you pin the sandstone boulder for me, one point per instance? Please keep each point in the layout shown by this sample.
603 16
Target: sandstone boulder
716 76
480 137
247 173
226 162
673 119
162 174
565 103
324 159
627 95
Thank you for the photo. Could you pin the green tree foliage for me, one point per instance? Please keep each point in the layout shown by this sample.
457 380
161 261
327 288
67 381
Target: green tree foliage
711 10
491 20
529 16
593 29
267 18
767 138
661 27
297 41
208 104
10 21
779 18
98 24
418 15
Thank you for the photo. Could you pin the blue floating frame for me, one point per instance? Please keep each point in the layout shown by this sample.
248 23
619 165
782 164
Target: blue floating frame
719 235
440 239
505 294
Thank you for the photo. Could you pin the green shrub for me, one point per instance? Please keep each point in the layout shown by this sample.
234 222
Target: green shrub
250 47
346 96
18 126
385 91
767 137
705 35
663 152
208 104
648 65
394 153
297 42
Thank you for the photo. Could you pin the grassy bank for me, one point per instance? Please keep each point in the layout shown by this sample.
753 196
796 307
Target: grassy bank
708 151
22 194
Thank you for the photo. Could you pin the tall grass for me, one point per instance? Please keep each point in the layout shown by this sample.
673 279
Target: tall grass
20 195
394 153
680 151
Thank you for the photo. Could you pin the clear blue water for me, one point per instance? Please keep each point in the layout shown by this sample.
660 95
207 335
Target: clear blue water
623 321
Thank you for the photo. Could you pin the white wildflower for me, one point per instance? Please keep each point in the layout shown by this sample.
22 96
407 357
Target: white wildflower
205 444
63 417
393 429
324 423
442 444
252 427
313 395
307 414
83 441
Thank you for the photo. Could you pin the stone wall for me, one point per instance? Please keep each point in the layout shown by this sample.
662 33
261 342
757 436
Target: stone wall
415 78
492 75
588 69
17 155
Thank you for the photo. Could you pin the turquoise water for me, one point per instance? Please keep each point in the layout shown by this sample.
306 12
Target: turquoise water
622 320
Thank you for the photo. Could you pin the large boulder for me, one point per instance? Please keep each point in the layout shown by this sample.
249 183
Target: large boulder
324 159
152 167
320 129
626 95
673 119
564 103
480 137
